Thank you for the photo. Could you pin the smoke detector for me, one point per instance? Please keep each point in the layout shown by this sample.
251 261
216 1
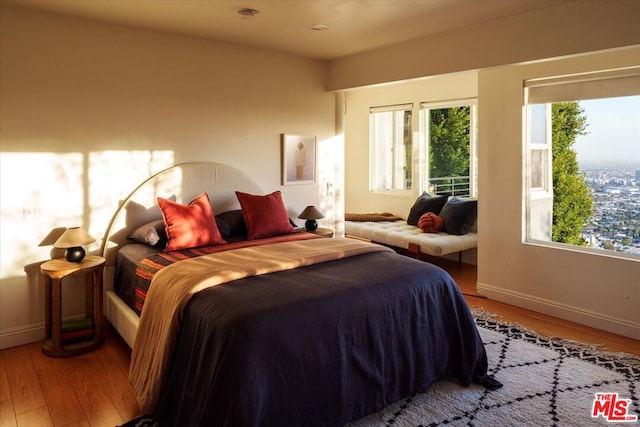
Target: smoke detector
246 12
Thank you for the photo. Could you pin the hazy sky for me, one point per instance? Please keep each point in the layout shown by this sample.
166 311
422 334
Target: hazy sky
613 131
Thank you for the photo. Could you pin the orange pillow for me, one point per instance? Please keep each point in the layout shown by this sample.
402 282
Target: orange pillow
189 226
430 222
265 216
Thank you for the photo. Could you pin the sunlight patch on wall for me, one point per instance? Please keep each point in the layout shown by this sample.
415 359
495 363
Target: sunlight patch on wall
113 175
41 191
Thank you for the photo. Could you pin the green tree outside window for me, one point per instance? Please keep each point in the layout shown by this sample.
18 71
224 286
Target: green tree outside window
572 197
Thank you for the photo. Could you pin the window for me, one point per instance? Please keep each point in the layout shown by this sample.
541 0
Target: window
449 131
582 151
446 154
391 148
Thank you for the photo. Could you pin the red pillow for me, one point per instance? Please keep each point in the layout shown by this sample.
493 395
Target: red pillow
430 222
265 215
189 226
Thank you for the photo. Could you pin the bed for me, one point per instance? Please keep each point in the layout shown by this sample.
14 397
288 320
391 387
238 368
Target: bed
274 328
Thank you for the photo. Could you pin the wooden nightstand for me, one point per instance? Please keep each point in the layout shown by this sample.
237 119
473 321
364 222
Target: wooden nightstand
54 271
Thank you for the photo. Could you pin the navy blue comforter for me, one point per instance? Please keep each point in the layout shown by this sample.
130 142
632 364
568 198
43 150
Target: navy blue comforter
320 345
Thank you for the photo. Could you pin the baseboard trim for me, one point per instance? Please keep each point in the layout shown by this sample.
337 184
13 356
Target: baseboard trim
21 336
27 334
563 311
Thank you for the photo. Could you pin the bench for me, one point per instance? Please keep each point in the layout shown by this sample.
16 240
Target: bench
399 234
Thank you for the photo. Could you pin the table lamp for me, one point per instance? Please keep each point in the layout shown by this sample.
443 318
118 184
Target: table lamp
72 240
311 213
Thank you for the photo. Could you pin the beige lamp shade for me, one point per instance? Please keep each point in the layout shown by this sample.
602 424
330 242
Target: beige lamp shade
73 239
311 213
74 236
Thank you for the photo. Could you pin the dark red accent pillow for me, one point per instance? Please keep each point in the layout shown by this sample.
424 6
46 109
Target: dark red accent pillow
430 223
265 216
189 226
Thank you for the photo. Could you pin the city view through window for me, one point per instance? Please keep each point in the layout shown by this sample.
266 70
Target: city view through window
609 157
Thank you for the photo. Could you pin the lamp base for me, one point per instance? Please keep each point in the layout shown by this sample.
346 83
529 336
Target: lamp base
311 224
74 254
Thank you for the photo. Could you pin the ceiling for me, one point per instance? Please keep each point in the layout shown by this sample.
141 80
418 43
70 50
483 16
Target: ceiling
355 26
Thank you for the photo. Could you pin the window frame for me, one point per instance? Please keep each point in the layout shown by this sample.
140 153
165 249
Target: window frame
547 91
373 150
425 133
545 147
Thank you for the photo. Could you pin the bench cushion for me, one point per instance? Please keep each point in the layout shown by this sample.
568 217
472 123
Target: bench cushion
400 234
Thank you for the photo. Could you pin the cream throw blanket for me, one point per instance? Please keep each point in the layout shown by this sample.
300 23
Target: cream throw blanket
174 285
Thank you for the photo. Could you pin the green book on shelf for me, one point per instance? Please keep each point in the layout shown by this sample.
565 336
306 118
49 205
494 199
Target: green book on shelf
76 325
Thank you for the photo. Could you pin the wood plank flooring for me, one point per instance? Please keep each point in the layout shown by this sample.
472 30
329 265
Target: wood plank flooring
92 389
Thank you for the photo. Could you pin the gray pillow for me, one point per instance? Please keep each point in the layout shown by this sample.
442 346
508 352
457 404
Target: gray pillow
151 233
459 215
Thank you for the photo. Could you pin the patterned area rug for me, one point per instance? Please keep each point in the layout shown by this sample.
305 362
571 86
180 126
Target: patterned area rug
546 382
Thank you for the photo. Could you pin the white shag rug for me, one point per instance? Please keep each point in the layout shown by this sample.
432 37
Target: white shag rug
546 382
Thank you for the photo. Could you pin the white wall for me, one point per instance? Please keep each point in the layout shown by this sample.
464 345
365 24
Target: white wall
599 291
88 110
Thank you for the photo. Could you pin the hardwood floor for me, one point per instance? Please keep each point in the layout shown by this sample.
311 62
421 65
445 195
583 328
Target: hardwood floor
93 389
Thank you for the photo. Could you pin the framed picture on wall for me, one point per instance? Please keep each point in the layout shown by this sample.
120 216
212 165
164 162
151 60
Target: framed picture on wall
298 159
